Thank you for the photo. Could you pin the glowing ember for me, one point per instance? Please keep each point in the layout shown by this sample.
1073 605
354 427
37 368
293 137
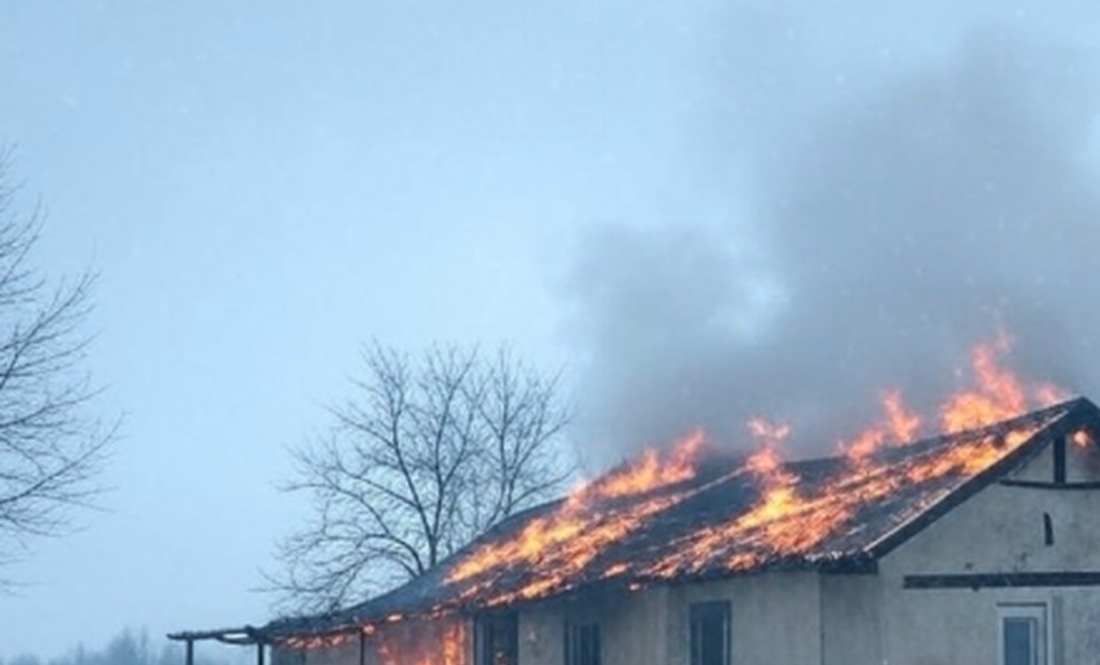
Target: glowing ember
617 569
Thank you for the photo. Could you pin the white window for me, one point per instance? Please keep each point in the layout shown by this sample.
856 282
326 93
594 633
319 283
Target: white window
1023 634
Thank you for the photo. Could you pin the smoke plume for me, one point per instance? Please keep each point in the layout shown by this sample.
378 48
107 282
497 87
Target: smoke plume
887 231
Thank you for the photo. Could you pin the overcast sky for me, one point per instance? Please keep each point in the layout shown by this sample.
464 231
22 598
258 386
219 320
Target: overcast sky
264 185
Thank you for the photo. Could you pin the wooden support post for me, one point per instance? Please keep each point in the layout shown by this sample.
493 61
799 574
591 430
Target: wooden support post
190 652
362 647
259 653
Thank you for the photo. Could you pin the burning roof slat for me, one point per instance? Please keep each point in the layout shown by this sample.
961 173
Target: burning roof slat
704 526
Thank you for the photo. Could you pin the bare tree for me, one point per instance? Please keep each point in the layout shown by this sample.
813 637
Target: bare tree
428 453
50 448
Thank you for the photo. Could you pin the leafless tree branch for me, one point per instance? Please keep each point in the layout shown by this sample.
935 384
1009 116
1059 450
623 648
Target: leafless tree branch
50 450
428 453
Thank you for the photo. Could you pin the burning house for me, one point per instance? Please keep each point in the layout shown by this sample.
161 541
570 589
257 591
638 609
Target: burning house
980 545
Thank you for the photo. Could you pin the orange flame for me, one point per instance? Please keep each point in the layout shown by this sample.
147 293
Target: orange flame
766 465
998 396
649 473
443 643
560 544
785 523
899 425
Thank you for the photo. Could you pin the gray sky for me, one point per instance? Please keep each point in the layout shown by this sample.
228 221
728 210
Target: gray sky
604 184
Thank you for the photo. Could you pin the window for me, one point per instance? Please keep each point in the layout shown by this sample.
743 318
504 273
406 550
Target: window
582 644
1023 633
496 640
709 640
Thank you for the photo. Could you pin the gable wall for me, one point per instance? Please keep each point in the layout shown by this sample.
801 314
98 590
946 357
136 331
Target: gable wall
1000 530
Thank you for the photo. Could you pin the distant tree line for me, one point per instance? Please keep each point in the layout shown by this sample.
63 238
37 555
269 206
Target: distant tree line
126 648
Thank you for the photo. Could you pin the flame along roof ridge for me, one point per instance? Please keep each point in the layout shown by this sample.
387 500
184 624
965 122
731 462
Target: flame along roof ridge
659 549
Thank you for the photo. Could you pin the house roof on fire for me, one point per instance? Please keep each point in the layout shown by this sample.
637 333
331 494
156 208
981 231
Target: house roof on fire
835 514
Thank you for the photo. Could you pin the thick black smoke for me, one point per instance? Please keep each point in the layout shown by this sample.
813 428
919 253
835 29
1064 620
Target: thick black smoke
894 230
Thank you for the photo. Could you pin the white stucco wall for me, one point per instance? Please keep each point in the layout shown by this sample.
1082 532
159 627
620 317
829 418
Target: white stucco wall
1000 530
775 617
633 628
851 620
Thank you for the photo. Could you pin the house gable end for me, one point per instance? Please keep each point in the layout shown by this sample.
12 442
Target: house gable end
999 525
1081 415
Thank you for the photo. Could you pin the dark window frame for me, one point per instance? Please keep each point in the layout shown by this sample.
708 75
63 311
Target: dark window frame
582 643
704 620
496 639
